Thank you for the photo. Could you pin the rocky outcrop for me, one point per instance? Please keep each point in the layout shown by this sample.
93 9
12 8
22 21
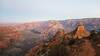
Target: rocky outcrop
81 31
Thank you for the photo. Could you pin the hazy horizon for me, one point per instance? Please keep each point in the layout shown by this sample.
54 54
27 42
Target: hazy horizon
19 11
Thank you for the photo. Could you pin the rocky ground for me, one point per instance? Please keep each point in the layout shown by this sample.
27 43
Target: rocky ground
89 46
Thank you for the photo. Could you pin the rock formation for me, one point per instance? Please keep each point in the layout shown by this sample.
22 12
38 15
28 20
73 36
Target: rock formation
81 31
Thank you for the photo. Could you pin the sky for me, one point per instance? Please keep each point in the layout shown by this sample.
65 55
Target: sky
41 10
